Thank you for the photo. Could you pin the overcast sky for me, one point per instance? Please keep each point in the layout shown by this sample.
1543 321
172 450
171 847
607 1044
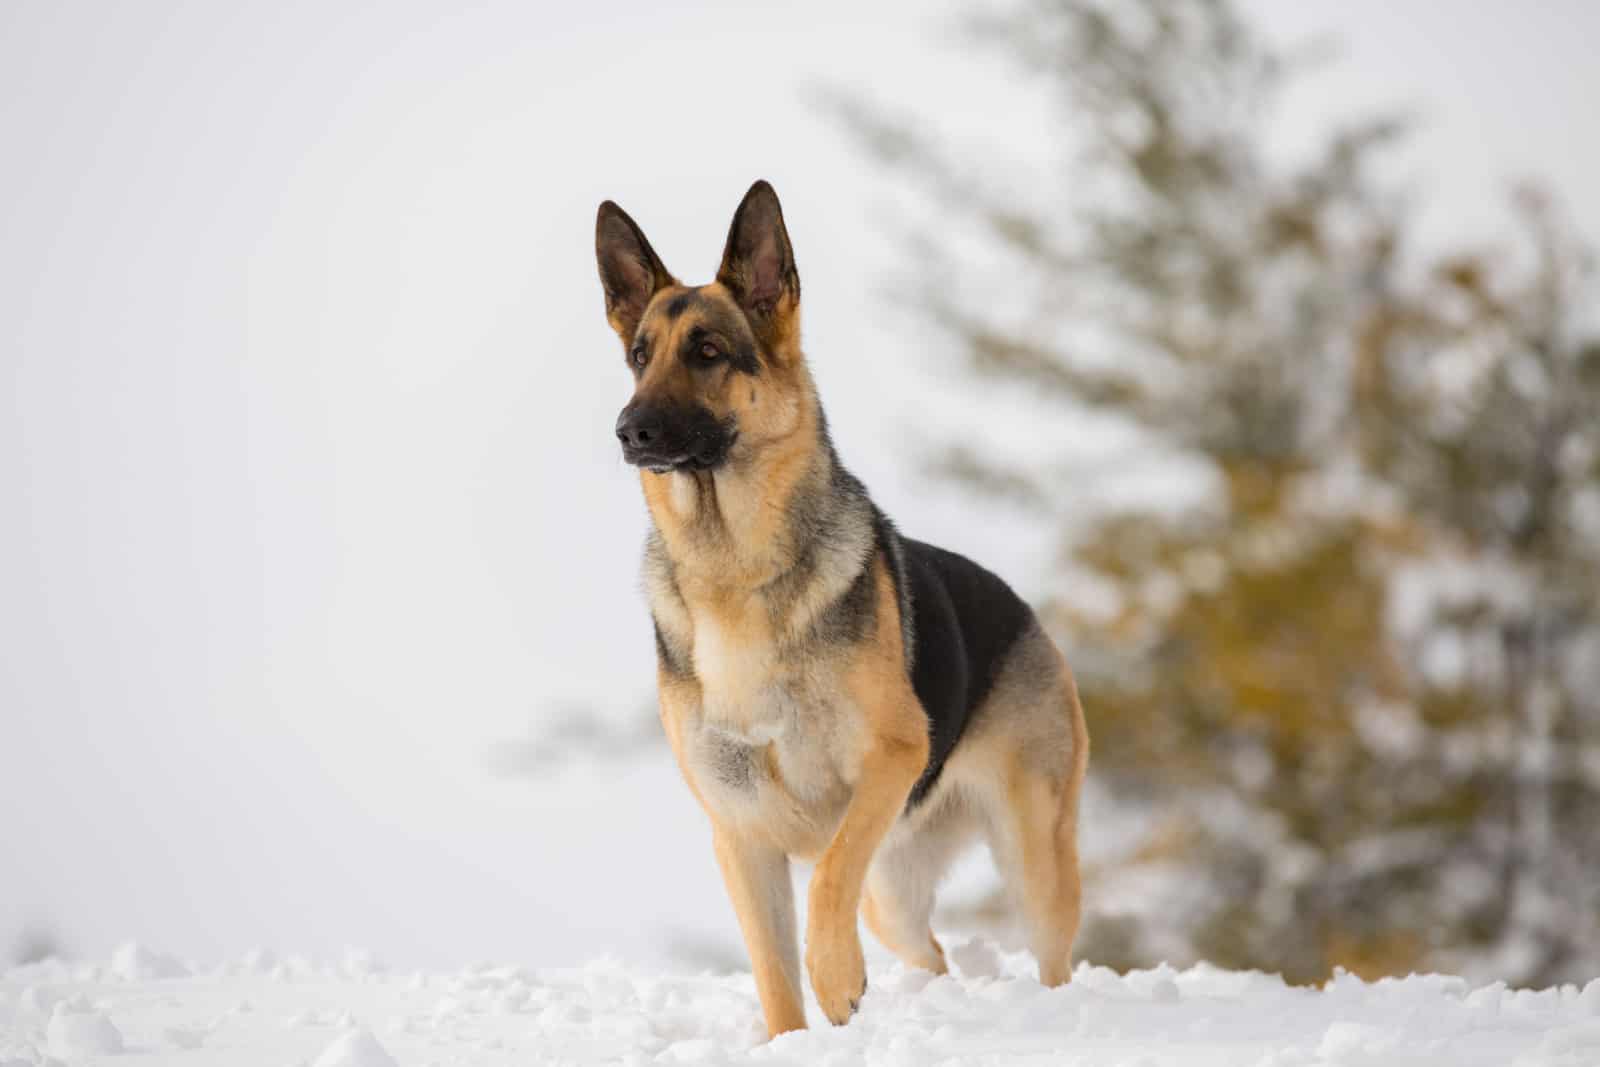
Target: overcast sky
306 459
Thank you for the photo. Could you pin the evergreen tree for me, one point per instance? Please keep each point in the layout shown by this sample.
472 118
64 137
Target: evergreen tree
1363 675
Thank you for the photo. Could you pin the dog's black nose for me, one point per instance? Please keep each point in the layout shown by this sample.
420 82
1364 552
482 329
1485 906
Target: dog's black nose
639 428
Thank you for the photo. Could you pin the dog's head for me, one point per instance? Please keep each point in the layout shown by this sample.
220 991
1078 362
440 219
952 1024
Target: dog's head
716 367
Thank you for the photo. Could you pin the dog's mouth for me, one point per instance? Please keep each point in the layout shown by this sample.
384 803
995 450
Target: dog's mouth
702 452
663 464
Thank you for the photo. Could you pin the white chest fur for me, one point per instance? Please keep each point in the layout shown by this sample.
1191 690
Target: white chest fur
736 661
777 764
771 740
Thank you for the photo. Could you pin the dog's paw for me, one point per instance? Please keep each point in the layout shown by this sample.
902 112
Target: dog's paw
838 973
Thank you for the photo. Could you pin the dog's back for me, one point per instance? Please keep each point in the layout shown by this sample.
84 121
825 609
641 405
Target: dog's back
964 620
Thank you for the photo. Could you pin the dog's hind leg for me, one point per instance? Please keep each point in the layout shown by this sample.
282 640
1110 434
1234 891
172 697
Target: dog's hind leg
897 912
1035 846
900 889
1033 816
1054 919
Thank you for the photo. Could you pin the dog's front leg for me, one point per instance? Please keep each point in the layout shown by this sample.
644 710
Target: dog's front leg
757 877
896 754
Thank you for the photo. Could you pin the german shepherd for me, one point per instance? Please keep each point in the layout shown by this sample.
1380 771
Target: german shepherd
833 690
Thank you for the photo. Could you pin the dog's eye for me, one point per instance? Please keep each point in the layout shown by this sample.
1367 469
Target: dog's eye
639 357
710 351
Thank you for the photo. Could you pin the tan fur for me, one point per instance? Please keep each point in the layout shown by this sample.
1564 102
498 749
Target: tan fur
757 877
833 804
724 527
896 752
1015 779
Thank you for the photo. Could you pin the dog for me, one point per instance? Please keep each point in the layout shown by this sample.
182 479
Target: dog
833 691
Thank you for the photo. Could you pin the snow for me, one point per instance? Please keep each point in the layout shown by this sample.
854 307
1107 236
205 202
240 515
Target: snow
356 1048
77 1030
355 1013
133 962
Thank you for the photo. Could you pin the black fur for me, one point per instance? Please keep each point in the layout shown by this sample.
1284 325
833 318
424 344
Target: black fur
818 514
678 305
850 618
741 357
958 620
674 661
964 620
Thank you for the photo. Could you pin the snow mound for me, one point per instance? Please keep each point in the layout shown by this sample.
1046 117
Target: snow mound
187 1037
1590 997
975 959
135 963
358 1048
992 1011
76 1030
40 999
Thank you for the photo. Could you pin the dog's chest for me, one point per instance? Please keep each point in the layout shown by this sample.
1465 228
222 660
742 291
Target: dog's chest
736 663
784 773
774 739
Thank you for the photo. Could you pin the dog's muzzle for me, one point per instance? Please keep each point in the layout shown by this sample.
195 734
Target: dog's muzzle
661 439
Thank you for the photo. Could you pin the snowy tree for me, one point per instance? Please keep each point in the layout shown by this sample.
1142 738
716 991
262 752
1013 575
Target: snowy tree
1359 673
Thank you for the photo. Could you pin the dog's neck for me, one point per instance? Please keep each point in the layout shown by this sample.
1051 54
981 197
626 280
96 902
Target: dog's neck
732 527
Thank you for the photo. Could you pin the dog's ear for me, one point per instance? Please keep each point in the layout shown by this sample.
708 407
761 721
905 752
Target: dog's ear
630 271
758 266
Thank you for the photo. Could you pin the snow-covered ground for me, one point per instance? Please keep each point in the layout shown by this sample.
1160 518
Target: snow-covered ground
146 1007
